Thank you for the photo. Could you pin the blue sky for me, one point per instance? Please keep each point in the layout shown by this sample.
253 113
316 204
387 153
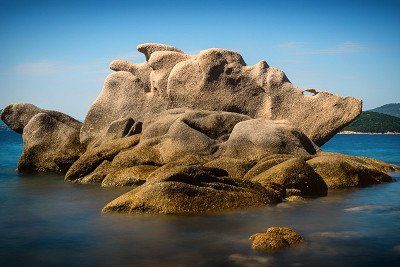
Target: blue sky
55 54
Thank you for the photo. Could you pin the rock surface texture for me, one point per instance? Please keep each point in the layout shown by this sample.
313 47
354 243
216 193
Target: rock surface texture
215 79
196 134
275 238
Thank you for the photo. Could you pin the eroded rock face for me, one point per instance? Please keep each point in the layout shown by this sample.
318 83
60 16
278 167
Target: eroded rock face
294 174
180 132
253 139
215 79
193 190
275 238
49 145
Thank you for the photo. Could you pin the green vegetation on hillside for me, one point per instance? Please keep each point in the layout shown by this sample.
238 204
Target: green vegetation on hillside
374 122
392 109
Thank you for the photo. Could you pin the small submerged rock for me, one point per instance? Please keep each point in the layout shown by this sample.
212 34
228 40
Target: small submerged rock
275 238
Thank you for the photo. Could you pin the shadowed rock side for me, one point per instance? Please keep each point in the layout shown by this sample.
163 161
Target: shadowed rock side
215 79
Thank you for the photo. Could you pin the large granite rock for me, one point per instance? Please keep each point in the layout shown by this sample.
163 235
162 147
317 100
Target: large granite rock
214 79
49 144
17 116
197 134
193 190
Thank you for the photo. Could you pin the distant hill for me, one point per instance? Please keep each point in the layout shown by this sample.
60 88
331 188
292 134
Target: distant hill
375 122
389 109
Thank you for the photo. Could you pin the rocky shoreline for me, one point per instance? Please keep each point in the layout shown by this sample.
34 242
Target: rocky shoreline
351 132
194 134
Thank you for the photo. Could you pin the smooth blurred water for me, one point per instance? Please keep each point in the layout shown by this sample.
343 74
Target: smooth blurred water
45 221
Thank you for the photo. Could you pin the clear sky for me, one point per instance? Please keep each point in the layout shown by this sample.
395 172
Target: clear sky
55 54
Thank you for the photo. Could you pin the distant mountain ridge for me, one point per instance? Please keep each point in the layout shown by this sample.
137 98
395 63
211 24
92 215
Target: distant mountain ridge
383 119
392 109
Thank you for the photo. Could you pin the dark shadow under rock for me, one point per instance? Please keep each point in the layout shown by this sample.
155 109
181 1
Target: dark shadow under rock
265 164
132 176
295 174
97 175
93 157
236 168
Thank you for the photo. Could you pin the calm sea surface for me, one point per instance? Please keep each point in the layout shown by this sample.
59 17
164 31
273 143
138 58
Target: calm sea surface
45 221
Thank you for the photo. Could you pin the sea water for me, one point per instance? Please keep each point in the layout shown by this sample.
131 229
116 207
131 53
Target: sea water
46 221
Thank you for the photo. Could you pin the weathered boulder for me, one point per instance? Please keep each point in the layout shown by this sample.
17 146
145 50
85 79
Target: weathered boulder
94 156
275 238
17 116
49 144
294 174
215 79
342 171
253 139
193 190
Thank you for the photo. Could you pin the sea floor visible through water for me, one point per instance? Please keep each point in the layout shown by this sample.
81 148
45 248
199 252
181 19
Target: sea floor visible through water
46 221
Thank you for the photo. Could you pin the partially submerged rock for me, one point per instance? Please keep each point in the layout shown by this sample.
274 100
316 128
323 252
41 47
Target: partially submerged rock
275 238
49 145
193 190
340 171
197 134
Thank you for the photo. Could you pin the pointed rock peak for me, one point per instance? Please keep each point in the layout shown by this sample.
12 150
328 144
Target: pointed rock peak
148 48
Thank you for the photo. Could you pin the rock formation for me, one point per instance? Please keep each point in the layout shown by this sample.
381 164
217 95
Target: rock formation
51 138
214 79
197 134
275 238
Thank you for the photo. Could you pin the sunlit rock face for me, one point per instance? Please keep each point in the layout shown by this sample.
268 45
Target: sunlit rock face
197 134
214 79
